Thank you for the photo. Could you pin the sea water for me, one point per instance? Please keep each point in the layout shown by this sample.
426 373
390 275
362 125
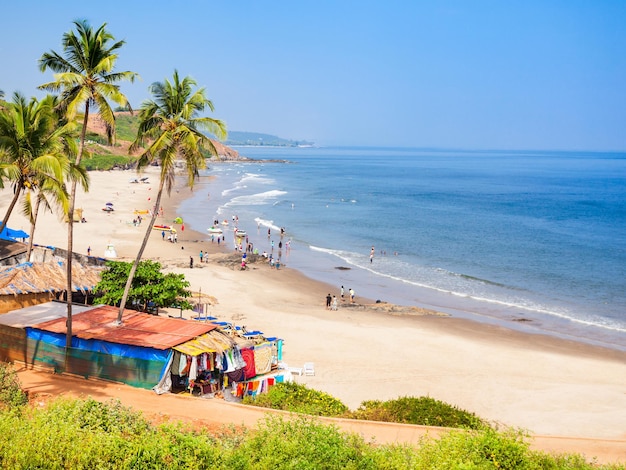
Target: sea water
533 240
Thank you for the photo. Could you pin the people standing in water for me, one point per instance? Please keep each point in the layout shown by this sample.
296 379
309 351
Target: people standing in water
372 255
342 299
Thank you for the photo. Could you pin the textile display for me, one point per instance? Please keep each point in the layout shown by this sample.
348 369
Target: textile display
250 369
263 358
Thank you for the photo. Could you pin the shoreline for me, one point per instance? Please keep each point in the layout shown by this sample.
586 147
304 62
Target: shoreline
544 384
334 269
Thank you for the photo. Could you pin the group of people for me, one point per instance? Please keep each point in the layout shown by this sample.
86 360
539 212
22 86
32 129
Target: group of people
172 237
331 300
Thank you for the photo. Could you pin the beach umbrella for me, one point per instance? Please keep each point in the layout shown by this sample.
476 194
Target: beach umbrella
109 204
178 220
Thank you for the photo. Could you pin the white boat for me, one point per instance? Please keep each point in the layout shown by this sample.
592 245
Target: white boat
214 230
240 233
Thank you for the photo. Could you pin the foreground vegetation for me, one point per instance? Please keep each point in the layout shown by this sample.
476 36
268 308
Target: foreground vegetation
84 434
424 411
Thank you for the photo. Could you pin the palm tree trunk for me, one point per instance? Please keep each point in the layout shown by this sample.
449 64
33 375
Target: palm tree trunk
70 236
11 206
133 268
33 222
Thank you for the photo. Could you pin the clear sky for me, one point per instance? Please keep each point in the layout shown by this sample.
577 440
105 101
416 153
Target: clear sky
534 74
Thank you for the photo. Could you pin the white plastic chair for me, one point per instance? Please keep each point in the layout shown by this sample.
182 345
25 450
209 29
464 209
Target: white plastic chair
309 368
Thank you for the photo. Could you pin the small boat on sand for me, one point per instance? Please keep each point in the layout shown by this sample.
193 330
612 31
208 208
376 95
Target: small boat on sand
161 227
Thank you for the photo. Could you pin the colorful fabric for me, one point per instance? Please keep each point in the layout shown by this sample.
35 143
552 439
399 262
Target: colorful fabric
236 375
263 358
249 369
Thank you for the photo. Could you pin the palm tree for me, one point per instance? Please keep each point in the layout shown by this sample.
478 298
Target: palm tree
31 147
170 126
85 77
49 192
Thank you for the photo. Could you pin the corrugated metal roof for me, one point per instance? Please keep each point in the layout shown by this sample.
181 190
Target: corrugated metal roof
138 329
29 316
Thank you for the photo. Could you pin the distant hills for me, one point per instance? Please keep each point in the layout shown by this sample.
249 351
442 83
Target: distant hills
257 139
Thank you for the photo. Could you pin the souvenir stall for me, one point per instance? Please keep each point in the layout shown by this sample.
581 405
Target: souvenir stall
261 370
206 365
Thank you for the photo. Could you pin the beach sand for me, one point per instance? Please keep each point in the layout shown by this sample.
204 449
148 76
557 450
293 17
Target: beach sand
545 385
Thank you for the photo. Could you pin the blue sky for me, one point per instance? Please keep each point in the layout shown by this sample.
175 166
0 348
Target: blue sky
452 74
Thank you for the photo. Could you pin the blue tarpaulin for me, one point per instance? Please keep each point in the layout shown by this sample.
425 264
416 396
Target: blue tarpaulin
12 235
105 347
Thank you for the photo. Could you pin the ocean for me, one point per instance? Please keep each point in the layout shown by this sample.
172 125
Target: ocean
531 240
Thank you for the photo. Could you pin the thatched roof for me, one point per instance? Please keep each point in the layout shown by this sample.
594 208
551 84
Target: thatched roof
197 298
32 278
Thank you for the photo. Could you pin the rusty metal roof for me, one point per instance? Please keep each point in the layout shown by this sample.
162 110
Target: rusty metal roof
138 329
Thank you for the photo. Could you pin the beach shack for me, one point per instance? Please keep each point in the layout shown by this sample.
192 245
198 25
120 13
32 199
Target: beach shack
133 353
153 352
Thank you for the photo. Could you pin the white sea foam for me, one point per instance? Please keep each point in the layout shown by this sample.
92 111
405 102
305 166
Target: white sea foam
466 288
256 199
250 178
266 223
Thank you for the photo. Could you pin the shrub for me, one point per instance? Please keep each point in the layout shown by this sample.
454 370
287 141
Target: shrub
489 448
87 434
423 410
11 393
301 442
298 398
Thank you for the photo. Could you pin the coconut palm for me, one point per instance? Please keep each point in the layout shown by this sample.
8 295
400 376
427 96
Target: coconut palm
85 78
170 127
48 192
32 147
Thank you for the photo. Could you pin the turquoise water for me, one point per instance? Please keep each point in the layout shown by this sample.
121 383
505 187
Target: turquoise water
534 240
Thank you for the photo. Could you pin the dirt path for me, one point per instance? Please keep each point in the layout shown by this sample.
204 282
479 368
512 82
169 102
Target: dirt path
214 413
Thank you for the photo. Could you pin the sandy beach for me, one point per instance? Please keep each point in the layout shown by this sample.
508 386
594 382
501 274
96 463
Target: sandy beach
545 385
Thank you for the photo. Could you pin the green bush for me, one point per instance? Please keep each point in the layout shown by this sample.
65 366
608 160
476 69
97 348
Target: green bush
85 434
508 450
298 398
424 411
107 161
11 393
302 442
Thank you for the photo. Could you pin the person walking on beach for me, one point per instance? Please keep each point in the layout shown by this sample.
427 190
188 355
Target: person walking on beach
334 305
201 256
163 235
351 295
191 261
328 300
